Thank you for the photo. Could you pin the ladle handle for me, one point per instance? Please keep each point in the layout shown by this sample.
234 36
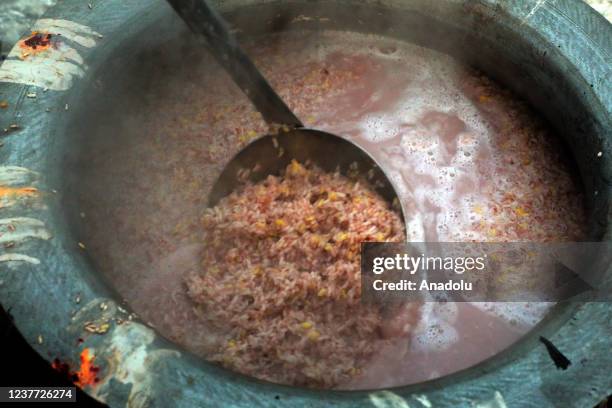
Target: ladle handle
203 19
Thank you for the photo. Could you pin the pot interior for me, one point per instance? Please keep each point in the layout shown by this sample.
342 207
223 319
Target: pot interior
446 104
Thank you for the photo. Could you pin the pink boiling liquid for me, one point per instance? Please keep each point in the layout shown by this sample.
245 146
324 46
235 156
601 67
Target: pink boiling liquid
470 162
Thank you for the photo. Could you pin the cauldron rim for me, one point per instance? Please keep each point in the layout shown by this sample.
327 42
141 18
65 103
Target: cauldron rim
66 268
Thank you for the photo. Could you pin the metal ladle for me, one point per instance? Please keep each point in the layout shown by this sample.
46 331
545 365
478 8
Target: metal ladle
272 153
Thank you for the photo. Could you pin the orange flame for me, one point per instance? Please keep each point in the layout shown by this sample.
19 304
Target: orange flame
87 375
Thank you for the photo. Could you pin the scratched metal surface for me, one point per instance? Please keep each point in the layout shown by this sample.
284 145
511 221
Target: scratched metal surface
16 16
561 48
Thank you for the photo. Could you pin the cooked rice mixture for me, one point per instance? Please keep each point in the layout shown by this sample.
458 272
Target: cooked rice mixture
281 276
471 162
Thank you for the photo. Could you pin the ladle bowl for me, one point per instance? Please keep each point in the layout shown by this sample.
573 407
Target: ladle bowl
270 155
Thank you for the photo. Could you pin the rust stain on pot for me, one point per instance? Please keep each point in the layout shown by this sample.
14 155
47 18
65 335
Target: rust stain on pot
49 57
22 191
16 185
36 43
16 231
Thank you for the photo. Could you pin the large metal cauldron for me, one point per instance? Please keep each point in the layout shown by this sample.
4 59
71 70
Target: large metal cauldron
555 54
